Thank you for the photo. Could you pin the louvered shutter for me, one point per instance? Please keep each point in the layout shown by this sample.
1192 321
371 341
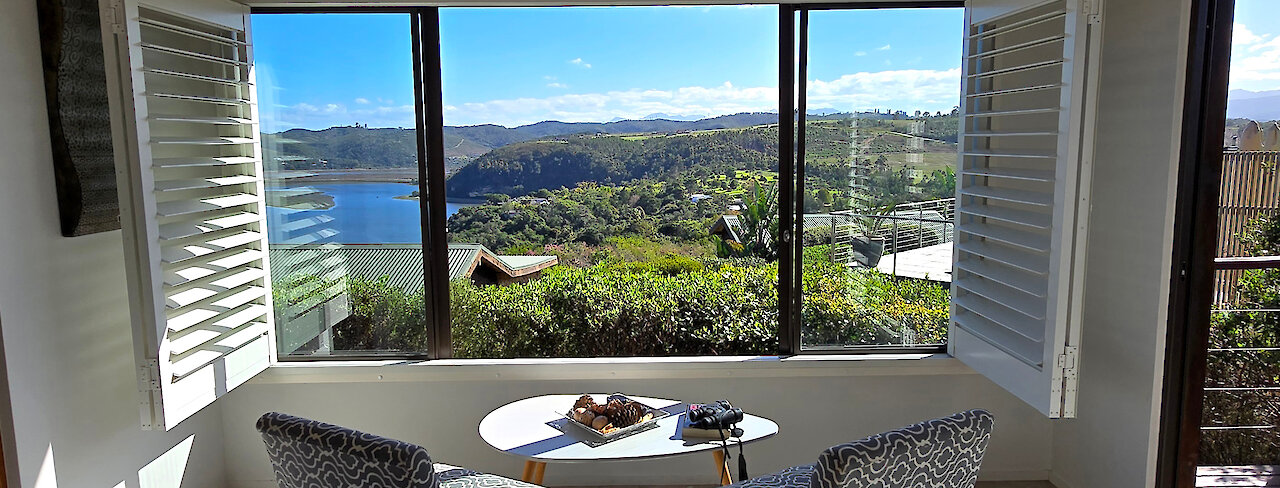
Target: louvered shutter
1022 195
195 228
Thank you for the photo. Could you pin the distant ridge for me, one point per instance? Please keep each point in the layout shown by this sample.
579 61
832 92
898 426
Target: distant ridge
363 147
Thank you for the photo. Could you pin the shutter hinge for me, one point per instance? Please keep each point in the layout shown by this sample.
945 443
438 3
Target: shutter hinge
1093 11
149 375
116 11
1067 361
1068 376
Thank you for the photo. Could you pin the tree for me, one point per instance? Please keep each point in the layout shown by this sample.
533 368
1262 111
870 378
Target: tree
1252 324
759 221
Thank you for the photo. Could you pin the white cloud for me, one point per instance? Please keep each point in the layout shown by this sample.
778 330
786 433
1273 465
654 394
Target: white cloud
885 47
557 85
282 117
1242 36
908 90
860 53
362 101
580 62
1255 60
902 89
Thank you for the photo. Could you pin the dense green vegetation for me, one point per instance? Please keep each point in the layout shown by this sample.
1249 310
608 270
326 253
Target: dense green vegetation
1256 325
522 168
664 305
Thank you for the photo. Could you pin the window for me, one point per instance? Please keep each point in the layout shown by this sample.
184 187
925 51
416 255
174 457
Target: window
613 188
340 150
879 155
637 194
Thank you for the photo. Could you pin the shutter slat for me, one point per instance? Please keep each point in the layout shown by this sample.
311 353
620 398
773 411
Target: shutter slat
1029 262
1006 275
1000 314
204 120
1006 153
188 207
1008 195
190 32
201 319
1018 47
1009 113
1011 173
197 98
192 162
190 54
1005 296
1018 69
1017 346
193 76
1025 240
192 184
182 230
1018 217
190 363
1021 24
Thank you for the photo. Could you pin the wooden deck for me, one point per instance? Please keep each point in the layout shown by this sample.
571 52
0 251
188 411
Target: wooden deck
1237 476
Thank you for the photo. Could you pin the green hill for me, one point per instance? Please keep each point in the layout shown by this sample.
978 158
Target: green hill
525 167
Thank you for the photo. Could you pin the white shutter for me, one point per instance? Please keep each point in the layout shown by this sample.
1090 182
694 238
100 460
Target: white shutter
1022 195
194 218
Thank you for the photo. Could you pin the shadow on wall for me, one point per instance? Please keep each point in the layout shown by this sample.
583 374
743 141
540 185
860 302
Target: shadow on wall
165 471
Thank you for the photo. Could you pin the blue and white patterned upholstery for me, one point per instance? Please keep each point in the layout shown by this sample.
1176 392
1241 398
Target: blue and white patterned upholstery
310 454
939 453
795 476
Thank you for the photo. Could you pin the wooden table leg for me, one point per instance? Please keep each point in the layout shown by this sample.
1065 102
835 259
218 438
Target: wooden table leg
533 472
538 471
527 476
725 478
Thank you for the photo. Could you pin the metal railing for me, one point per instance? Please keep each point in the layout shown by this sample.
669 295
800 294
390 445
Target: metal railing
1241 420
906 227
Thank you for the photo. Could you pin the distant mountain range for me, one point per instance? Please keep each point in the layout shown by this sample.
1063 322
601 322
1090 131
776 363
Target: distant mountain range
363 147
1261 106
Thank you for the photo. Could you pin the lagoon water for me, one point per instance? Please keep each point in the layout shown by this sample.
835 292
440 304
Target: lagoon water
363 213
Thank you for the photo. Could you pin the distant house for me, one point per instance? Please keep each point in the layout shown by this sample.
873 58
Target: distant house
698 197
402 263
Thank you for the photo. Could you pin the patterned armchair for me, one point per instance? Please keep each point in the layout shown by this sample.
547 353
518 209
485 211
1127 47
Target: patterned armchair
310 454
939 453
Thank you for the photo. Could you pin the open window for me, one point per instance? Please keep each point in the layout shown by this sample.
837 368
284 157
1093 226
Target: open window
1022 195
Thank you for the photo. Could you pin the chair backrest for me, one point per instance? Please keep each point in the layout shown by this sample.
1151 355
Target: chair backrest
310 454
939 453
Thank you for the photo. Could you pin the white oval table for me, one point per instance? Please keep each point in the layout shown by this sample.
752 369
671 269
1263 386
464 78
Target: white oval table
536 429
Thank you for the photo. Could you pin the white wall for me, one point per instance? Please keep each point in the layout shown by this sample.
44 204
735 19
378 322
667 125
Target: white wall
1113 440
64 318
814 412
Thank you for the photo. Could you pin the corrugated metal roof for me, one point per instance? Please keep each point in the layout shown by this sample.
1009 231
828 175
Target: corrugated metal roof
400 263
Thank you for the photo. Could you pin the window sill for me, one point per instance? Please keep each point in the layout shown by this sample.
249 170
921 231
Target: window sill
616 368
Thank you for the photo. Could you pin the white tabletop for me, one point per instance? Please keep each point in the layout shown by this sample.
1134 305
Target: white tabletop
536 429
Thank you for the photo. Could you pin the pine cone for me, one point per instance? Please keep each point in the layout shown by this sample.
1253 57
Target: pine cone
628 414
612 408
584 401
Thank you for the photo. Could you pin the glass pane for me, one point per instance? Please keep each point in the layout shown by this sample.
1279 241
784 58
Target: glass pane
340 153
1241 417
613 186
879 166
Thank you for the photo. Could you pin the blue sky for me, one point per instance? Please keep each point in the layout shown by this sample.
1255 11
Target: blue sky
1255 49
513 66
